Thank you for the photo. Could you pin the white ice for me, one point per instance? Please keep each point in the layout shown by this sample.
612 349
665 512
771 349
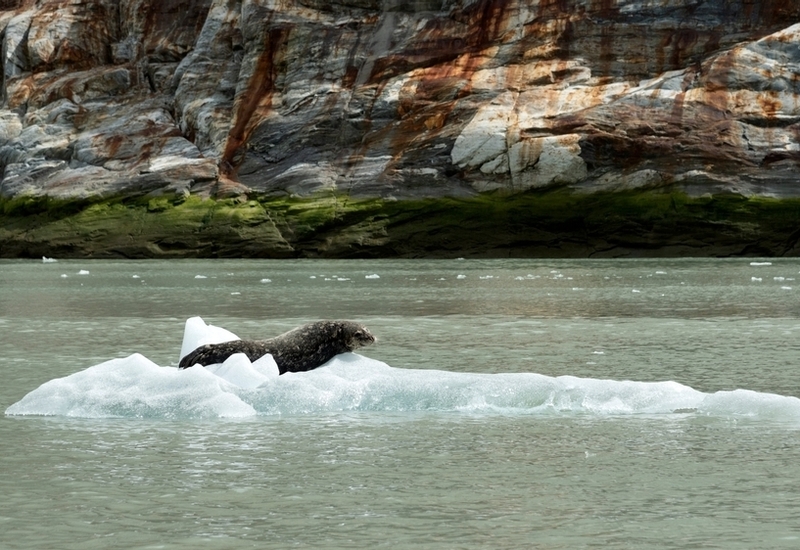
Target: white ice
136 387
197 333
237 369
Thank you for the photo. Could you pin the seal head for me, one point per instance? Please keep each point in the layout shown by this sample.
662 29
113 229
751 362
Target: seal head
301 349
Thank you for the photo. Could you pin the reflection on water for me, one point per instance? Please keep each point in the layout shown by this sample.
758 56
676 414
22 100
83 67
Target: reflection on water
413 479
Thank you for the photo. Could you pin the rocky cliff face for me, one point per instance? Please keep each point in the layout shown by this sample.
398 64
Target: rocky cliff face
385 100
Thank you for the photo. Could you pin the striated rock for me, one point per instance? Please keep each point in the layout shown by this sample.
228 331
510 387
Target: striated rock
399 101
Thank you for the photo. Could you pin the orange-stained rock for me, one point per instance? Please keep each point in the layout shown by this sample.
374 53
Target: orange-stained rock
398 99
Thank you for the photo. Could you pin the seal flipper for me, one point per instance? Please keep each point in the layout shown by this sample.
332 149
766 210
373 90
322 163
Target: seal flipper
210 354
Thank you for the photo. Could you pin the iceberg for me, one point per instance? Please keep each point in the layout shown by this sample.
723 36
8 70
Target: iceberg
136 387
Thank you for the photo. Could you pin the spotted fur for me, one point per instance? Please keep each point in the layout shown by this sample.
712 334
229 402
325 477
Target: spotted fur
301 349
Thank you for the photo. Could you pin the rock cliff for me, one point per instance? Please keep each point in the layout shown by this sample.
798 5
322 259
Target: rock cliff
381 127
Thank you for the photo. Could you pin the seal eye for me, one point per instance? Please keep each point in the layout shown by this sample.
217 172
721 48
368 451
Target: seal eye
363 336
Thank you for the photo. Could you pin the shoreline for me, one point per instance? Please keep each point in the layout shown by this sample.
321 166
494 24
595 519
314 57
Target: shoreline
555 223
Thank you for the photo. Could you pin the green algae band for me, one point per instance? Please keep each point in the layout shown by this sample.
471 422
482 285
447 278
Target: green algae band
545 224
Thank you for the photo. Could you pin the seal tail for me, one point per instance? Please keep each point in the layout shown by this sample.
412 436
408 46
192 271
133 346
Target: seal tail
210 354
207 355
193 358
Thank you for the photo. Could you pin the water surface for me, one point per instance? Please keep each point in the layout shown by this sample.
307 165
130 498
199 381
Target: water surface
442 476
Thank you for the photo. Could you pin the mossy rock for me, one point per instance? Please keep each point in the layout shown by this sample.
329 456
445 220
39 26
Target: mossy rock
544 224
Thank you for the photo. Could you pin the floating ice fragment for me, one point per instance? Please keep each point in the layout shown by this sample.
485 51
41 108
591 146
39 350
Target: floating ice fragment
636 291
197 333
266 280
46 260
135 277
238 370
779 278
373 276
235 293
64 275
661 272
755 279
83 272
760 263
598 353
200 277
461 276
135 387
786 288
313 277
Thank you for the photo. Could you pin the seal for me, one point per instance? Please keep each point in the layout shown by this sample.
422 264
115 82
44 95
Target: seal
301 349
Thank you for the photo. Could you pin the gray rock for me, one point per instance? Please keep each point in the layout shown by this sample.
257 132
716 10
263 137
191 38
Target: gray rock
399 99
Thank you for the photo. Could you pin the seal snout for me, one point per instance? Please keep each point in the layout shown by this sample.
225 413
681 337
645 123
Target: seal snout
362 337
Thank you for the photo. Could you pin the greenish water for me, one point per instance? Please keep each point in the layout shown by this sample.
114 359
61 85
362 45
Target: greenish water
618 475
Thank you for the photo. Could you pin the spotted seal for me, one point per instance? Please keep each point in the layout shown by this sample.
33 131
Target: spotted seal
301 349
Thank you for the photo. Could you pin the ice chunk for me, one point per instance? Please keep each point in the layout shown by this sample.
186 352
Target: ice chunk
238 370
134 387
197 333
267 366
